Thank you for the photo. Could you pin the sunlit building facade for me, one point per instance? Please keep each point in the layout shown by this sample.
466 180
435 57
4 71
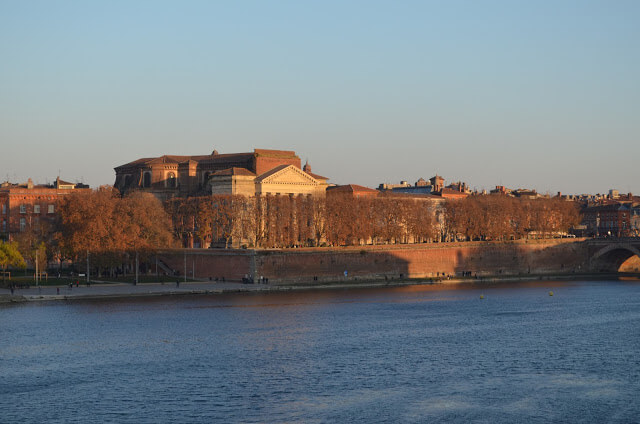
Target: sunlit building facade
256 173
23 206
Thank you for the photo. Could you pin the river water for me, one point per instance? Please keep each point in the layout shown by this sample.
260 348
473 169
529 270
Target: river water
405 354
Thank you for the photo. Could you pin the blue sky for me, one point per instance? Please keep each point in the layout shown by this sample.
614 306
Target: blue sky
536 94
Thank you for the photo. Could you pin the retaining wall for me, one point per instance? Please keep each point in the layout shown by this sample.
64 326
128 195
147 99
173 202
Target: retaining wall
304 266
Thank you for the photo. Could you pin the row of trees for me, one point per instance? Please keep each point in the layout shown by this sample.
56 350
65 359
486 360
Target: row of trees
108 228
507 218
112 229
273 221
287 221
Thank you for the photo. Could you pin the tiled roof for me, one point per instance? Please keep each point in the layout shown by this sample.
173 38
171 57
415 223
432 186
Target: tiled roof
317 177
140 161
222 158
612 206
352 188
182 159
399 194
272 171
234 171
447 192
174 158
275 153
215 158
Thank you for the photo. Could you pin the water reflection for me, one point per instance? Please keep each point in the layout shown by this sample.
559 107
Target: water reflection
428 353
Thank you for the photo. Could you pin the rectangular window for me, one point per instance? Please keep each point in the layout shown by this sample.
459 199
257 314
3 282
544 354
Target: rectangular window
4 225
50 210
23 224
36 208
4 209
23 208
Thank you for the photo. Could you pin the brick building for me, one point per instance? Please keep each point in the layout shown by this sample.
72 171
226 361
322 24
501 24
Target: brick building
452 193
614 219
25 205
259 172
435 186
352 190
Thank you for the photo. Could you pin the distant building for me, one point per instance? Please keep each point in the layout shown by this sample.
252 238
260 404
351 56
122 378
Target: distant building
260 172
500 190
459 186
352 190
457 190
524 193
435 186
388 186
615 215
25 205
282 180
613 219
634 221
450 193
437 183
418 188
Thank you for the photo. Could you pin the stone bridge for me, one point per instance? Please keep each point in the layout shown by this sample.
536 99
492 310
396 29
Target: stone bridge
608 254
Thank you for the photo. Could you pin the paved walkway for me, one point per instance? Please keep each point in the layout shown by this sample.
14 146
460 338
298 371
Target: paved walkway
98 290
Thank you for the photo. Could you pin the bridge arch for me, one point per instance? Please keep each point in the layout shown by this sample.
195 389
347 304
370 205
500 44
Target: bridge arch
610 258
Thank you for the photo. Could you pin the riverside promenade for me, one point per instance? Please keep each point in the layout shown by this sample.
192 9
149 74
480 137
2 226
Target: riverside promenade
104 290
115 290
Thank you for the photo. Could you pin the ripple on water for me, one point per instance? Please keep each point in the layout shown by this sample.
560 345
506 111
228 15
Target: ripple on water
437 355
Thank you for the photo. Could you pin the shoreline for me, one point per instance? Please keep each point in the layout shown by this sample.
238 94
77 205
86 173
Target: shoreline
106 291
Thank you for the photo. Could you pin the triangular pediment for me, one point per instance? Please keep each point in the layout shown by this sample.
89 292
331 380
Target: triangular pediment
286 174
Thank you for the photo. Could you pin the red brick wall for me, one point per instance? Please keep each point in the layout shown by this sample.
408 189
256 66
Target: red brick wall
422 261
266 163
230 264
294 266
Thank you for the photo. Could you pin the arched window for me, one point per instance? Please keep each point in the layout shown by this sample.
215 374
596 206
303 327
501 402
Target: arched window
146 179
171 180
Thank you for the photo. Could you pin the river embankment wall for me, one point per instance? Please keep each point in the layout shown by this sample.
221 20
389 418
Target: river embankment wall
214 264
349 264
